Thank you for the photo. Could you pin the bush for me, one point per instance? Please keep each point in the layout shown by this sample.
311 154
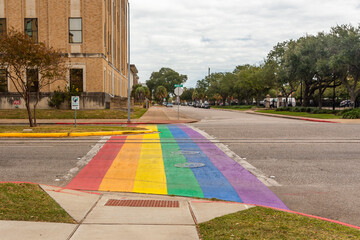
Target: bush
351 114
57 99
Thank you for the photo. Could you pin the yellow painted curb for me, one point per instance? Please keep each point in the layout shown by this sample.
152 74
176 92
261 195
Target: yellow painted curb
85 134
62 135
35 135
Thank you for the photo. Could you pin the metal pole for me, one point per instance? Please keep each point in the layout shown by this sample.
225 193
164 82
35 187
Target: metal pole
75 118
129 92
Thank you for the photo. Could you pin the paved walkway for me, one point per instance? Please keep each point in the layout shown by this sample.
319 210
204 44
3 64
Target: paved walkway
125 216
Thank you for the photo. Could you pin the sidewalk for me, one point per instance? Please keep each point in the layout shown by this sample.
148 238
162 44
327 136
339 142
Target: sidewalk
155 115
139 217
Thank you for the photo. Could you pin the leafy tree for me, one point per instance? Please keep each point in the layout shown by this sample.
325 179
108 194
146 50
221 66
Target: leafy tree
167 78
161 93
30 66
140 92
187 95
346 57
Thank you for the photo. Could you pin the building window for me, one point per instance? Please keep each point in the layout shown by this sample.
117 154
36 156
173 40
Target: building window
32 78
31 28
2 25
3 80
75 30
76 80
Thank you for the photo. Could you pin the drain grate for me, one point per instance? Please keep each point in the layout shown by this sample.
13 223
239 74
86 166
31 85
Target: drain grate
142 203
190 165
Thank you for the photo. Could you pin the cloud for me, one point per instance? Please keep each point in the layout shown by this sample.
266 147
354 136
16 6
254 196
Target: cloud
190 36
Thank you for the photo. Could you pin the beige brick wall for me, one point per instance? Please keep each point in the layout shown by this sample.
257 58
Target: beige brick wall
53 30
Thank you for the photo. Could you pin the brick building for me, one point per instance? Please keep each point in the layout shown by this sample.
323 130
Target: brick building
93 34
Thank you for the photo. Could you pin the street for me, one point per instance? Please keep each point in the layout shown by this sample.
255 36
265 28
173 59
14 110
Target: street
316 164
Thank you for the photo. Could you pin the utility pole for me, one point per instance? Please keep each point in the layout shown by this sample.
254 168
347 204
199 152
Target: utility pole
129 92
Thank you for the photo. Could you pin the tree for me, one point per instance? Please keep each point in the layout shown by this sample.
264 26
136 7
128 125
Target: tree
167 78
346 45
140 92
161 93
30 66
187 95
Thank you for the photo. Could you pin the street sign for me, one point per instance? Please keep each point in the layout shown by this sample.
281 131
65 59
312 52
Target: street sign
178 85
178 91
75 102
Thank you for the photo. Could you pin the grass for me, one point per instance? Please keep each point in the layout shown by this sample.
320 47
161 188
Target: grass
64 129
27 202
262 223
69 114
234 107
302 114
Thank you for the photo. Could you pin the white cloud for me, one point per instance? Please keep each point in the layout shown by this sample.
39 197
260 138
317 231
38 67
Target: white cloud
190 36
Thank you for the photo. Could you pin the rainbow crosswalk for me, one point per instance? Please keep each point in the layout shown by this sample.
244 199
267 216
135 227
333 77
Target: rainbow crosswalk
150 164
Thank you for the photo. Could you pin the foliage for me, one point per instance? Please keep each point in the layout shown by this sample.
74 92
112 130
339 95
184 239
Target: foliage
188 94
140 92
352 114
57 98
307 109
161 93
20 54
167 78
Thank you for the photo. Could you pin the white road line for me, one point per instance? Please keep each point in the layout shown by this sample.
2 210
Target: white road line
87 158
256 172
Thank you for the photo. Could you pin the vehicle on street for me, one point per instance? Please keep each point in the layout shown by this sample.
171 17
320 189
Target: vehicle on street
206 105
169 105
345 103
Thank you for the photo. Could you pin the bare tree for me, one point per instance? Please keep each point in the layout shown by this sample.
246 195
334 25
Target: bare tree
30 66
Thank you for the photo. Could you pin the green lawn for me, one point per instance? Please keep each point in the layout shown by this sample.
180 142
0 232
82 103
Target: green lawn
235 107
27 202
262 223
64 129
70 114
301 114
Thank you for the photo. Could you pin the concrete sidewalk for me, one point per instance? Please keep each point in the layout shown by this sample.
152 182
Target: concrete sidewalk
98 217
154 115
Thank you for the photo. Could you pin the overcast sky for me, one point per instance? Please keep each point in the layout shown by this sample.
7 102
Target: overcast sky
190 36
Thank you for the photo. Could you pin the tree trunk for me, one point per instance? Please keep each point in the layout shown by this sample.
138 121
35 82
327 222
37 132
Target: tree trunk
27 103
306 99
35 105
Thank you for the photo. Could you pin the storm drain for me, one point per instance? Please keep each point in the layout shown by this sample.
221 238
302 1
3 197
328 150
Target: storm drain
142 203
190 165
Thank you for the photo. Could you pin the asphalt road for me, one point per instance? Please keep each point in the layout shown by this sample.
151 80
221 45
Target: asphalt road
316 164
45 161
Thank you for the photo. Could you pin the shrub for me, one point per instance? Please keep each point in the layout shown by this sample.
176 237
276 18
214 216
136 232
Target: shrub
57 98
352 114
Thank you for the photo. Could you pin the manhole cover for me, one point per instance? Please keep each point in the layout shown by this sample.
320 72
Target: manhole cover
189 165
186 153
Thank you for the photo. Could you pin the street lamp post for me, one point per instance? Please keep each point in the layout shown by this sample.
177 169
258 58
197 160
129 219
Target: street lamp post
129 92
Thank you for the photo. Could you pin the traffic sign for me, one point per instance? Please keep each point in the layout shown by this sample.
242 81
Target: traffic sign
75 102
178 91
178 85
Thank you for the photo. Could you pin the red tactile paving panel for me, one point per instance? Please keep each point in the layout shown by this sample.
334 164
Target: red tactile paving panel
142 203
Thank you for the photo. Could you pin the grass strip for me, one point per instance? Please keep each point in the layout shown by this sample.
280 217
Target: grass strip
27 202
263 223
234 107
301 114
70 114
65 129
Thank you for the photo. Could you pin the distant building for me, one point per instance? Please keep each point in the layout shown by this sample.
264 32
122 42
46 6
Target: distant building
92 33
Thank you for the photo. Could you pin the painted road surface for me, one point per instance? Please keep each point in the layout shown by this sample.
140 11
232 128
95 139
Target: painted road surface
176 160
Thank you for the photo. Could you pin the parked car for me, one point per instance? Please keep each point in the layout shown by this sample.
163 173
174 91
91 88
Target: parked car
345 103
169 105
206 105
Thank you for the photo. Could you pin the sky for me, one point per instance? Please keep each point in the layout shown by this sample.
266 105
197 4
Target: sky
190 36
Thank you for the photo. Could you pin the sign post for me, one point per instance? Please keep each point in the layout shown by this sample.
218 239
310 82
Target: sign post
75 104
178 91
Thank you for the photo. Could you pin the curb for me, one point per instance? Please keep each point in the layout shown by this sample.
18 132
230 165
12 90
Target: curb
291 117
64 135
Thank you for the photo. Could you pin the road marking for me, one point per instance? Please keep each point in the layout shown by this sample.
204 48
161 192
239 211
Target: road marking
256 172
87 158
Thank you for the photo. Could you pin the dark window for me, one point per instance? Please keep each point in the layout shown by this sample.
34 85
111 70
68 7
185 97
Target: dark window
2 25
76 80
32 77
31 28
3 81
75 30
